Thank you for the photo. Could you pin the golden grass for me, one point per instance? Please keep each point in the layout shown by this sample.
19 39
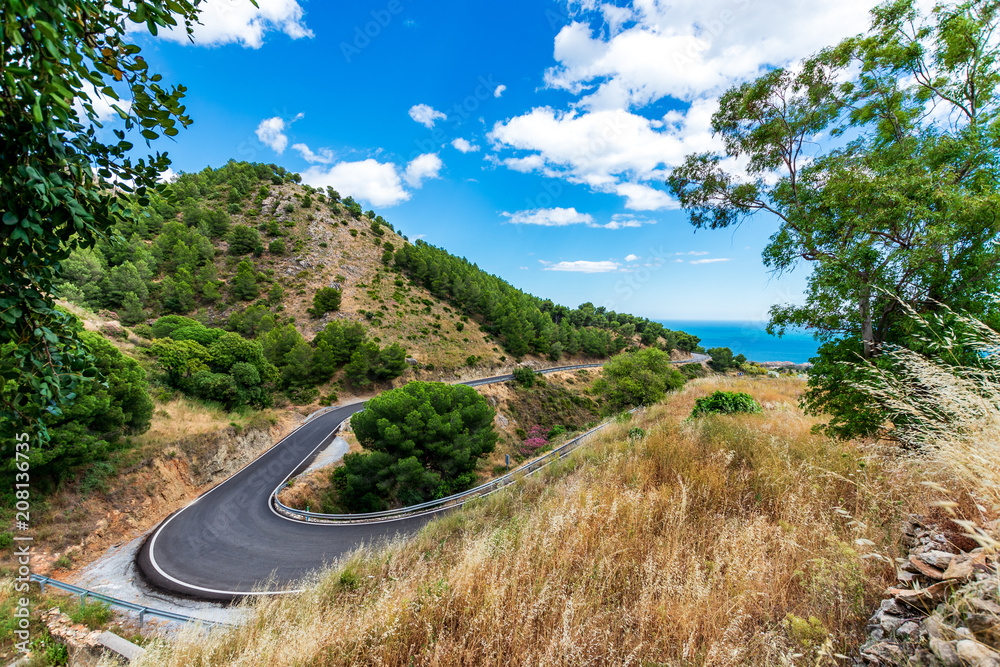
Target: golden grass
949 412
723 541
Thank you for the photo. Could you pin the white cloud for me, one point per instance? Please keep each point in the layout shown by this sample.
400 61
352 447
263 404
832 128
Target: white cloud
229 21
618 61
690 49
422 168
271 132
612 151
696 253
168 175
631 258
464 145
550 217
377 183
499 90
324 156
584 266
104 106
426 115
712 260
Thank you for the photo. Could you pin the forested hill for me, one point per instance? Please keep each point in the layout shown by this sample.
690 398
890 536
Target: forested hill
525 323
320 286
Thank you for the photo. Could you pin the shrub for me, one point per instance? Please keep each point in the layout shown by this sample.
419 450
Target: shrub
638 378
424 441
725 403
326 299
524 376
276 247
244 240
163 327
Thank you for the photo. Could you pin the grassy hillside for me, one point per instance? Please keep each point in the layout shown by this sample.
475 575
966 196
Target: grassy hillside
721 541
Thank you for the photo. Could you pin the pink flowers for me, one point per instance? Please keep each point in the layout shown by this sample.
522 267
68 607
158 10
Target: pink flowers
537 439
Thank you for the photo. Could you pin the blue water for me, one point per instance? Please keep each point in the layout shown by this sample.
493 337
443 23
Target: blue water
751 339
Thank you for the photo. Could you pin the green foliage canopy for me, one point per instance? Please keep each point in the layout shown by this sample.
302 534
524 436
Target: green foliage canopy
60 59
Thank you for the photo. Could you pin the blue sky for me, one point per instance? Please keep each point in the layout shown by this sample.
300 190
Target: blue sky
532 138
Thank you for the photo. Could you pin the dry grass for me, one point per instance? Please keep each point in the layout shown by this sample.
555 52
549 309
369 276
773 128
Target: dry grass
725 541
948 412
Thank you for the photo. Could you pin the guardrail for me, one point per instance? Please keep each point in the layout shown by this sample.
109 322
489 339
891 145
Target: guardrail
142 610
456 500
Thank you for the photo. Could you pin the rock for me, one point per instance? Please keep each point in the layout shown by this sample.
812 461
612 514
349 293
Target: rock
889 623
925 598
934 628
935 558
946 653
985 627
909 631
974 653
884 653
411 361
927 570
963 566
985 606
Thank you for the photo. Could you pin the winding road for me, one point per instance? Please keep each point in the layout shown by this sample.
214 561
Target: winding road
230 542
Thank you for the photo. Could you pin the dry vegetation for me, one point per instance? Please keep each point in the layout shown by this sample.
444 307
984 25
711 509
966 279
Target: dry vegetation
723 541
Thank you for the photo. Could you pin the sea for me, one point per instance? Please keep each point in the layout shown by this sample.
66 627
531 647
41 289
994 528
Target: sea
750 339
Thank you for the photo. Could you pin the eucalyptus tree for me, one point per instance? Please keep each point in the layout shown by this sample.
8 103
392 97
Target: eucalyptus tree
67 66
879 157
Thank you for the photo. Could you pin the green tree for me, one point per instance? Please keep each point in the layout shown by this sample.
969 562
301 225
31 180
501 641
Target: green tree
275 294
131 311
722 359
901 216
297 369
637 378
276 247
122 280
369 364
100 414
57 54
425 439
325 300
244 285
177 295
244 240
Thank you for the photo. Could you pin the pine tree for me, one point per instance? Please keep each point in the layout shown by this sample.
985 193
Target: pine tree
131 311
244 285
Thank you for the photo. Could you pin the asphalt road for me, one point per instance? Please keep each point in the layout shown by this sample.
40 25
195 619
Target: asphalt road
230 542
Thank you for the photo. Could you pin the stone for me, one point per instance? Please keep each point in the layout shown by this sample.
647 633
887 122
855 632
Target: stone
985 627
946 653
963 566
909 631
935 558
884 653
927 570
975 654
984 606
924 599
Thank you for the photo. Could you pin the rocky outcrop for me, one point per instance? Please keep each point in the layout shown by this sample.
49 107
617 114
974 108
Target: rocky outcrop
944 611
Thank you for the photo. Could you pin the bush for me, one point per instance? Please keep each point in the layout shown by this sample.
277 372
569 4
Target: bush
244 240
725 403
524 376
637 378
163 327
276 247
424 441
326 299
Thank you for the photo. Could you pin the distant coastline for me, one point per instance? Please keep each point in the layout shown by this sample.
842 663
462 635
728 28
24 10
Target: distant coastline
751 339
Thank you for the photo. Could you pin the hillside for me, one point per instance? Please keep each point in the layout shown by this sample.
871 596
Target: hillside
247 248
722 541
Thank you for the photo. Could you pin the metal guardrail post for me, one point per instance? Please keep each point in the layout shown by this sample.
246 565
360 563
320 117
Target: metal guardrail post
142 616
